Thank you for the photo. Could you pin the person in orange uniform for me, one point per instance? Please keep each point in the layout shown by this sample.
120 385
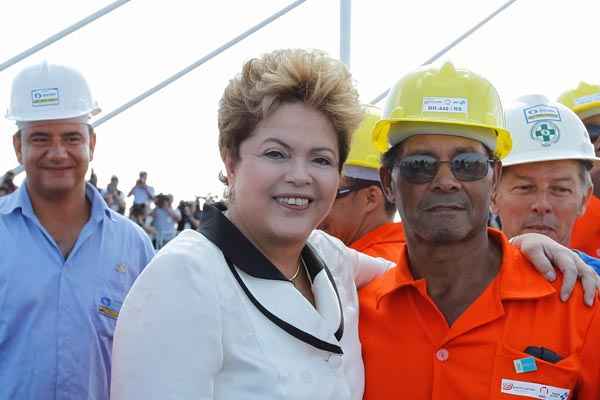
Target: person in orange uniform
463 315
585 102
361 216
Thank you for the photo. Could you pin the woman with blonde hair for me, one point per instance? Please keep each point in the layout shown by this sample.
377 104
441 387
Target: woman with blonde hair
258 304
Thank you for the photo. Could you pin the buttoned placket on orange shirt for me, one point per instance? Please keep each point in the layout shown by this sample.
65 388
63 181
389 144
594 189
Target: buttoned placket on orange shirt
410 351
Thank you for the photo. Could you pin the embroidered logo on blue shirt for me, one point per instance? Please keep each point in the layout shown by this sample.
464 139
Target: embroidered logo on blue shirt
109 308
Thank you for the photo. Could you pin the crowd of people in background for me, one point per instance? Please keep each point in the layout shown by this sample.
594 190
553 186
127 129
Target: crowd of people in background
154 213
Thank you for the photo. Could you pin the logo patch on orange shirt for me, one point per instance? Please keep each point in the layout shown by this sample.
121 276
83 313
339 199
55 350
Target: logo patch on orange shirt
533 390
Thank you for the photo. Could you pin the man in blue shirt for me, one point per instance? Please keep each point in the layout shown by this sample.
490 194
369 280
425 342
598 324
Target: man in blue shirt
66 260
142 193
546 181
164 220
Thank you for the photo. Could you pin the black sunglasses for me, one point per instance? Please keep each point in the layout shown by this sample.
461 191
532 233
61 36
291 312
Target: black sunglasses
422 168
593 131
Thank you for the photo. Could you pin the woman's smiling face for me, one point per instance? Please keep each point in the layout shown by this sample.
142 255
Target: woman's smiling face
286 177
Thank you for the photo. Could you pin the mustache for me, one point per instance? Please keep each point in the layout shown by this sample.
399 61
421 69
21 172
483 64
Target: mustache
545 221
458 200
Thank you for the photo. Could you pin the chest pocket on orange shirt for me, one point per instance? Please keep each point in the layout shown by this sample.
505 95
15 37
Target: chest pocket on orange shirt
563 375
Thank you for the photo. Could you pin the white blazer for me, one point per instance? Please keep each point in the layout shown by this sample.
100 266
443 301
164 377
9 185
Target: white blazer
220 322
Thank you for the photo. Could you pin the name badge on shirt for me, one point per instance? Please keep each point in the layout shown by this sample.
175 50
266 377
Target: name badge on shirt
533 390
109 308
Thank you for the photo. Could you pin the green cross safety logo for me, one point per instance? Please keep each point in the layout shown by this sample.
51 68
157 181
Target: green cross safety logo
546 133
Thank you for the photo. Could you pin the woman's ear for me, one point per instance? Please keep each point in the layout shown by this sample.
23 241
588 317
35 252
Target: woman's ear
230 166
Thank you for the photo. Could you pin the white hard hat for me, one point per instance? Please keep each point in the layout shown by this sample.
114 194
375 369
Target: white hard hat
47 92
543 130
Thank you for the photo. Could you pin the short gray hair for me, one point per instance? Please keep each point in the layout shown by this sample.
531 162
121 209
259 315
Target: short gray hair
585 168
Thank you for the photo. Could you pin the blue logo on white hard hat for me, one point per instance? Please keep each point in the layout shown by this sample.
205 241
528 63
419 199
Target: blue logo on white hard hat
541 112
45 97
546 133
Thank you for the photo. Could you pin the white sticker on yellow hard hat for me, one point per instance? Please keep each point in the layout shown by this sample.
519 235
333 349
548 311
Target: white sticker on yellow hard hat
533 390
541 113
45 97
587 99
446 104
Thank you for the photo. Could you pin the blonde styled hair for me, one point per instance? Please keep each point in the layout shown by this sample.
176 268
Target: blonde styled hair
287 76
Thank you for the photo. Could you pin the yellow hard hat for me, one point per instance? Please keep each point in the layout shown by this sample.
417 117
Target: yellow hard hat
363 152
444 98
584 100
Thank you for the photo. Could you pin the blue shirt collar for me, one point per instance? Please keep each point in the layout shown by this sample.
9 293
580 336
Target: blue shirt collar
20 199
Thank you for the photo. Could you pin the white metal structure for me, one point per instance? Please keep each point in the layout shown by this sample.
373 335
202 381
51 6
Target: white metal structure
455 42
67 31
345 30
345 46
196 64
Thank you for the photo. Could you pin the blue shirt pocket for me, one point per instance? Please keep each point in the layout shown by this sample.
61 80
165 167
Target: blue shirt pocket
108 301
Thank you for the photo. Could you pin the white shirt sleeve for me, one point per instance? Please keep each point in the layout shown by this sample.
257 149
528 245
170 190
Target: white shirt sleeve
167 342
364 268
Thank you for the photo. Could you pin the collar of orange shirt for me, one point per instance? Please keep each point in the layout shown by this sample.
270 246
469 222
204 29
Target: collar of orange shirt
386 233
517 278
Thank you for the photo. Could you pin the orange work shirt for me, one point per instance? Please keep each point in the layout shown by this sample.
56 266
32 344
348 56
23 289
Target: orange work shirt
586 232
410 352
385 241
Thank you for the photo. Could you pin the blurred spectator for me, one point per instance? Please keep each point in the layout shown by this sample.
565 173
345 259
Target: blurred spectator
8 186
161 223
113 196
143 194
164 220
197 210
144 221
188 220
94 180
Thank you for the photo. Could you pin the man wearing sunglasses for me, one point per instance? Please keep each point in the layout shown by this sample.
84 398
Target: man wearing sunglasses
463 315
546 181
361 216
585 102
